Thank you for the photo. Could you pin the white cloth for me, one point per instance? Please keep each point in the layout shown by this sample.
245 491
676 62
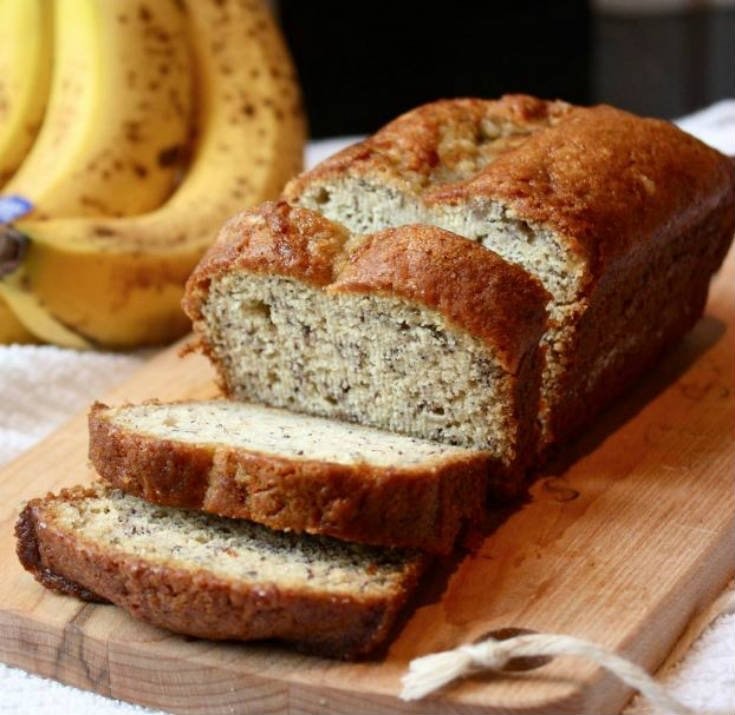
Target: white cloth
41 386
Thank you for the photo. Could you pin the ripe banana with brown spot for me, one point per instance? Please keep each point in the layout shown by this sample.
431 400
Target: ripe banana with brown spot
119 110
119 282
25 70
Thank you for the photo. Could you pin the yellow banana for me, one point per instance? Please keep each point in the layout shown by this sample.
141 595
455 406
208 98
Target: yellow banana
118 282
23 302
25 69
119 110
11 329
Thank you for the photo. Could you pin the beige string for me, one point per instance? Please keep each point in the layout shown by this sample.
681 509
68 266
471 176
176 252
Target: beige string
432 672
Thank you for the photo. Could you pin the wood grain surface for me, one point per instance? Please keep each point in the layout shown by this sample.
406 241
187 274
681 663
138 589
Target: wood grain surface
621 542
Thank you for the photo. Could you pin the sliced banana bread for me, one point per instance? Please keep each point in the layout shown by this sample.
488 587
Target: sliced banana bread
622 219
290 471
413 330
216 578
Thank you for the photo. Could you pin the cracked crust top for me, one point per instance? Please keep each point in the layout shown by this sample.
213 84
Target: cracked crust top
276 237
437 142
600 177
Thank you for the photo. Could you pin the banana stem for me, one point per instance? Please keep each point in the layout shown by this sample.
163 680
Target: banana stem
13 248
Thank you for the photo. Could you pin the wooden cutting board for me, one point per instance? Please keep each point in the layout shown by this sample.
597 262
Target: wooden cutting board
621 544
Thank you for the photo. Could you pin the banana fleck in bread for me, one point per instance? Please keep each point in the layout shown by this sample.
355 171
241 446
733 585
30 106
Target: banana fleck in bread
290 471
622 219
216 578
413 330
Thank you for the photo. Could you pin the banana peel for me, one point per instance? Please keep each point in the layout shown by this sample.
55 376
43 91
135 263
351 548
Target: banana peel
23 302
12 331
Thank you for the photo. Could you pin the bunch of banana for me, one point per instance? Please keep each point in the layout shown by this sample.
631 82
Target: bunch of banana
96 281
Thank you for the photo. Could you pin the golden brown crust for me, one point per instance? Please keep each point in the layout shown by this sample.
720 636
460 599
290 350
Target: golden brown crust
605 180
653 299
200 603
408 151
421 507
28 550
274 237
491 299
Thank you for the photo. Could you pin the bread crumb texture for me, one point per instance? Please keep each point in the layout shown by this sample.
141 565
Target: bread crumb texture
266 430
230 549
364 358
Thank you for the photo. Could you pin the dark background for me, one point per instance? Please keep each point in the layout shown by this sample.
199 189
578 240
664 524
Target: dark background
362 63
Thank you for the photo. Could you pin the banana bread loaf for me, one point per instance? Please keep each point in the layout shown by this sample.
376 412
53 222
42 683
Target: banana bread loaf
622 219
216 578
291 472
413 330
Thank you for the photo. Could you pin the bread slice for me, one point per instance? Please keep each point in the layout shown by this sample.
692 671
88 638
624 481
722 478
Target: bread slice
413 330
622 219
216 578
291 472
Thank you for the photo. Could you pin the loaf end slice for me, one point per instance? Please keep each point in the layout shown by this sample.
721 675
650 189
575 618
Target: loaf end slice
290 471
216 578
